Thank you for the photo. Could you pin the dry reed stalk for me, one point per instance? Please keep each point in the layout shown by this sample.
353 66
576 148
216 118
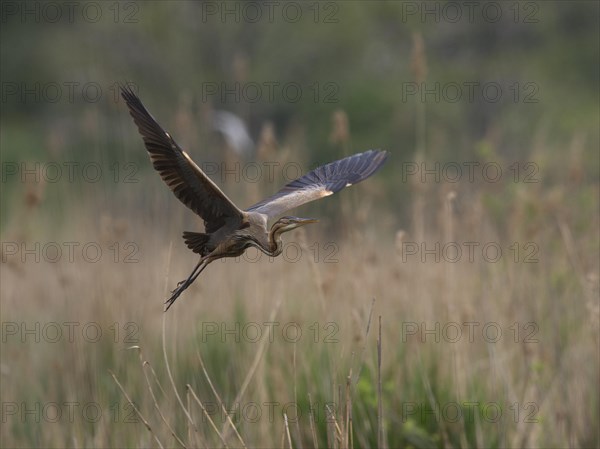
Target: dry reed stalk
137 411
340 137
380 427
348 406
212 423
267 146
189 407
316 273
282 445
287 430
164 344
255 362
432 400
219 399
569 242
340 130
419 71
311 419
296 395
156 406
452 313
337 431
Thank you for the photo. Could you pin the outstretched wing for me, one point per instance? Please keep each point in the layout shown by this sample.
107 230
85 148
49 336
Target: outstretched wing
187 181
321 182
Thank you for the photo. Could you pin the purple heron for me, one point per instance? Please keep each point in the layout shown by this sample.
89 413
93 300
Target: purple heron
229 230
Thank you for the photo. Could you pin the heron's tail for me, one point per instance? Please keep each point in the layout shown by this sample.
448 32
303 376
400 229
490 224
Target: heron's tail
197 242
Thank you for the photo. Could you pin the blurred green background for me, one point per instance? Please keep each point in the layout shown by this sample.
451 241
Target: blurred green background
61 66
511 83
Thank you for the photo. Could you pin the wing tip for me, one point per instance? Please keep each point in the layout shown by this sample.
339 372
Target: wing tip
375 159
127 92
378 154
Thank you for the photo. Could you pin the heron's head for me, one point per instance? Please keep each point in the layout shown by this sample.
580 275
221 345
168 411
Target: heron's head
285 224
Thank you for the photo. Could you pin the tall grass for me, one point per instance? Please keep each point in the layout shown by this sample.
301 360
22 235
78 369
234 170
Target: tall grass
209 374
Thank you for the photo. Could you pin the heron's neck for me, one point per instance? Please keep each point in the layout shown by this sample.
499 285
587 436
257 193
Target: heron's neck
275 243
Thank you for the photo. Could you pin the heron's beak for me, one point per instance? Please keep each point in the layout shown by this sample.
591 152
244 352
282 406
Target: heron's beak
298 222
305 221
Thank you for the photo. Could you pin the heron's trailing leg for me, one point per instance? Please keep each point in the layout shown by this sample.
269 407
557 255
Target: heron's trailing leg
181 286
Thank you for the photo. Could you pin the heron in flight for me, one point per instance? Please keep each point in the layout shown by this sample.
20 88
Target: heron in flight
229 230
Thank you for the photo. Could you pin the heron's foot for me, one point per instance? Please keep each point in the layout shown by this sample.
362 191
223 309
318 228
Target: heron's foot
174 295
181 286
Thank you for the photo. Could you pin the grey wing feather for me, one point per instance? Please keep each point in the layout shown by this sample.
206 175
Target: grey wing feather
323 181
187 181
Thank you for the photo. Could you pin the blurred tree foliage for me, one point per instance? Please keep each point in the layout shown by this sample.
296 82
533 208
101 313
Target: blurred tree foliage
351 56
